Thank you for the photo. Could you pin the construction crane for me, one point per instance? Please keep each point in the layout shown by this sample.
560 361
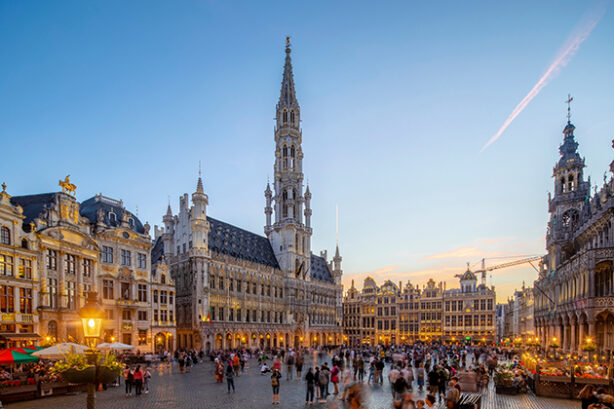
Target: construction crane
484 269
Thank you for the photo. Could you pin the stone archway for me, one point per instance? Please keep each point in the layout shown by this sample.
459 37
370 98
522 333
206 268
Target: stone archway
604 332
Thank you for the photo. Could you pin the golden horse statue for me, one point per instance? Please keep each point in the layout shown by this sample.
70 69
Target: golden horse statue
67 187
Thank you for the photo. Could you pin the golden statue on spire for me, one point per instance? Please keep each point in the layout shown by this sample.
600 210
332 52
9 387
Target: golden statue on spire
67 187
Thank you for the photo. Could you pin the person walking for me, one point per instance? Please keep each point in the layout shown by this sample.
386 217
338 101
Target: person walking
275 376
128 380
299 365
138 380
323 379
147 378
420 376
310 380
230 377
334 378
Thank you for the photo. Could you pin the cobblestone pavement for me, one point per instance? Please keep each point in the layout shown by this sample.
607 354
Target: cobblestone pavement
197 389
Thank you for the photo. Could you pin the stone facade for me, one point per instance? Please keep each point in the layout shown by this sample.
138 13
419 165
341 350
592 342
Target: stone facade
519 320
397 314
574 294
19 276
67 249
236 288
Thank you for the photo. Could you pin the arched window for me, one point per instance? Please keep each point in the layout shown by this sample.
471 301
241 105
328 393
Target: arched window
5 235
163 279
570 183
131 222
52 329
285 115
24 243
296 242
285 151
292 116
292 152
562 185
112 217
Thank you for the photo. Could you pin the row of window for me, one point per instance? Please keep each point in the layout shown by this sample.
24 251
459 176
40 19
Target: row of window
387 325
70 263
468 320
238 286
478 305
231 314
7 267
108 292
7 299
125 257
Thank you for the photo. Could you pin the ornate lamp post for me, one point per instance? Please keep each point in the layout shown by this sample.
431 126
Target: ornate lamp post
91 319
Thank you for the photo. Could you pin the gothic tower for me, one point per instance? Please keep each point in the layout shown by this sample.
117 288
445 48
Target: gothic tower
571 191
289 235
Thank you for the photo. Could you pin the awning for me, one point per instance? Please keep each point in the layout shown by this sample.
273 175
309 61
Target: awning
18 337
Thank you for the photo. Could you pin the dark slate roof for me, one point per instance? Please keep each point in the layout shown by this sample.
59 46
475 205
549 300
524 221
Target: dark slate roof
227 239
320 270
157 251
89 209
33 204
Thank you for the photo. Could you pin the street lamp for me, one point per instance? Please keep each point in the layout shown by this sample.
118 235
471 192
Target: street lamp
91 319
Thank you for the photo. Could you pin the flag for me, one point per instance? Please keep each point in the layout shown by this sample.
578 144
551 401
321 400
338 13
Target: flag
297 273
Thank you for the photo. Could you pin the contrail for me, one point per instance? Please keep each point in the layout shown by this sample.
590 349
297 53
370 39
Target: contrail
584 28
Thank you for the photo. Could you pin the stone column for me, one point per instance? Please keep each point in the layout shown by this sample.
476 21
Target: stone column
573 345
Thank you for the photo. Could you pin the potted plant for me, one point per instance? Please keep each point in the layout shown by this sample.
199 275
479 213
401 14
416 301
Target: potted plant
75 369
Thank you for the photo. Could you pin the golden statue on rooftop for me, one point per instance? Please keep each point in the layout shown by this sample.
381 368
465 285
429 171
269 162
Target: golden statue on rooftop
67 187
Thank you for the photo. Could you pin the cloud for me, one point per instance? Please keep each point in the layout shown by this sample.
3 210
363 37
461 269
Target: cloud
572 45
464 253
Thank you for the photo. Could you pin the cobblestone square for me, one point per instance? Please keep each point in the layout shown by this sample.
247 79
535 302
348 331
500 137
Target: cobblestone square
197 389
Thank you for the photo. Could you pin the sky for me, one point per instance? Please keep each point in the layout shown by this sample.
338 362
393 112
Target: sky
398 100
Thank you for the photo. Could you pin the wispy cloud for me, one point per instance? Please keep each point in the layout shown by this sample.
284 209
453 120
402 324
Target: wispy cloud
571 46
464 253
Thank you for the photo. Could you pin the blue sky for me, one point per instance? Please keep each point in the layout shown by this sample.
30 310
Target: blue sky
397 100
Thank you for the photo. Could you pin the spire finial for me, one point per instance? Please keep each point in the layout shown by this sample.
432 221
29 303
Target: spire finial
199 169
288 50
569 99
137 210
4 186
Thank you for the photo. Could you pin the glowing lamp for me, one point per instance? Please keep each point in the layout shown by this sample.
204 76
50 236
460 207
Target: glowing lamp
91 319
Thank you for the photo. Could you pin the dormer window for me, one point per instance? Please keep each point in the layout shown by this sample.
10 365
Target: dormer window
131 222
112 217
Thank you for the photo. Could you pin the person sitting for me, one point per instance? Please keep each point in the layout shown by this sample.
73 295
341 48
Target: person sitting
264 369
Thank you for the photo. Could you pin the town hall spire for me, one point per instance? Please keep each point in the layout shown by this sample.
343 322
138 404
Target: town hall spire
287 231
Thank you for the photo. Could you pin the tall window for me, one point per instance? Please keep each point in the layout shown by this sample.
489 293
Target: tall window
87 267
7 300
70 267
53 292
142 336
142 292
125 257
25 268
6 265
142 260
142 315
5 235
52 259
71 289
170 298
107 254
155 296
107 290
126 315
162 297
25 300
163 316
125 291
155 315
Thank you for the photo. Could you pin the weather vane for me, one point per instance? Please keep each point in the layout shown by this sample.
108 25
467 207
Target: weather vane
569 99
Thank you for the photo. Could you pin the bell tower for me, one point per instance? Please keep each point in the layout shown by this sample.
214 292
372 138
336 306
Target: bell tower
290 237
571 191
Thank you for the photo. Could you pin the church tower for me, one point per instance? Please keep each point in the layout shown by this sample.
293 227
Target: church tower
571 191
289 234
